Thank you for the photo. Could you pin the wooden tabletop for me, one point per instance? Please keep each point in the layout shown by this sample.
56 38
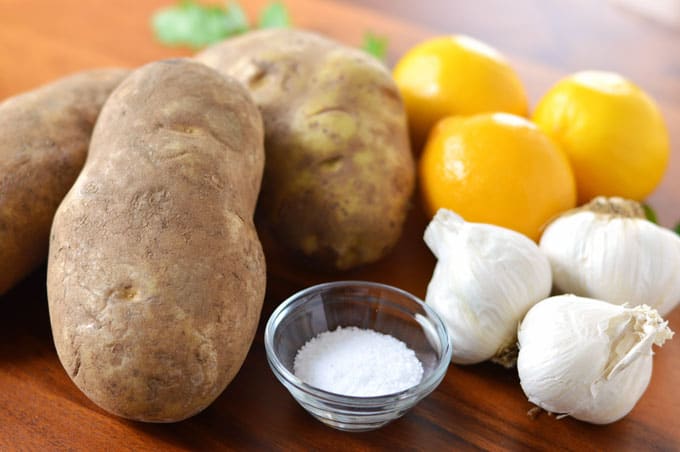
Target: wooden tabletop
476 407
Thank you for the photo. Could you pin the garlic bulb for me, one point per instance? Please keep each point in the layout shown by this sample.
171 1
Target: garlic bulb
485 280
587 358
609 251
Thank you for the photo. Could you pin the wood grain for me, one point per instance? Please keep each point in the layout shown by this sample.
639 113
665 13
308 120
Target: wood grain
476 407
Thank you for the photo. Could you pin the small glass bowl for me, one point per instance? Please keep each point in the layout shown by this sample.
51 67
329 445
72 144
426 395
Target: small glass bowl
368 305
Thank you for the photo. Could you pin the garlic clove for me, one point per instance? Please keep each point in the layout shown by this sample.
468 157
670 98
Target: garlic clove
607 250
485 280
587 358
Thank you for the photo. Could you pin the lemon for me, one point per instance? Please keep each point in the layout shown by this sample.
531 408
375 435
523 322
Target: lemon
453 75
612 132
496 168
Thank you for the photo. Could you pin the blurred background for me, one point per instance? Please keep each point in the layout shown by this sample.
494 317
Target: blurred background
41 40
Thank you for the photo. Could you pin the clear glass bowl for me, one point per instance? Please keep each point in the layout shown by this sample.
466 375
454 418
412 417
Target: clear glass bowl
379 307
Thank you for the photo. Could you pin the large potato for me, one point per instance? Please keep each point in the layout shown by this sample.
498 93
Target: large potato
339 171
155 275
44 136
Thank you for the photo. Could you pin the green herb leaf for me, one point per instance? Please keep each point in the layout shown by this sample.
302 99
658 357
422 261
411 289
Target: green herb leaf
274 15
650 213
196 25
375 45
677 228
236 19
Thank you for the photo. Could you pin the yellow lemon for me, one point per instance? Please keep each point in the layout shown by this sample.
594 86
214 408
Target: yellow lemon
496 168
612 132
453 75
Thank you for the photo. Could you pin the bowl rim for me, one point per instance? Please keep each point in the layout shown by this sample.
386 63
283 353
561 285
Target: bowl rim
424 387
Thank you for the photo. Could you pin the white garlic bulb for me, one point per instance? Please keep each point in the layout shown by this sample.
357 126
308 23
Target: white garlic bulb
485 280
609 251
587 358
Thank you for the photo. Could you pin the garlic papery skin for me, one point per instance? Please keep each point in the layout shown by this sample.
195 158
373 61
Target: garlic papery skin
486 278
604 250
587 358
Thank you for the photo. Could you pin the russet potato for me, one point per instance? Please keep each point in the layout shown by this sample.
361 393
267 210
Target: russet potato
43 144
156 276
339 172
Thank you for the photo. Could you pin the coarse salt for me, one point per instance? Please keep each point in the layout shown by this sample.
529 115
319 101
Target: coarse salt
357 362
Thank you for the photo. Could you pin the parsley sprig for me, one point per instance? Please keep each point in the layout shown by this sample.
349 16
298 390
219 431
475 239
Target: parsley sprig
375 45
194 24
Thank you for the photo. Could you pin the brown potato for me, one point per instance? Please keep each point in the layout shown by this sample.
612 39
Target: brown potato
156 276
43 144
339 172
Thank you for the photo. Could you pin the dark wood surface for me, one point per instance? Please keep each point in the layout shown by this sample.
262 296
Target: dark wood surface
476 407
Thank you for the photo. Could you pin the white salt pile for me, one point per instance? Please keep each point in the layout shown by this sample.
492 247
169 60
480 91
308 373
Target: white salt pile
357 362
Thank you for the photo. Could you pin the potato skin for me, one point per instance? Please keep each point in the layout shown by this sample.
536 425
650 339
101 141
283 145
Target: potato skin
43 144
339 171
156 276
